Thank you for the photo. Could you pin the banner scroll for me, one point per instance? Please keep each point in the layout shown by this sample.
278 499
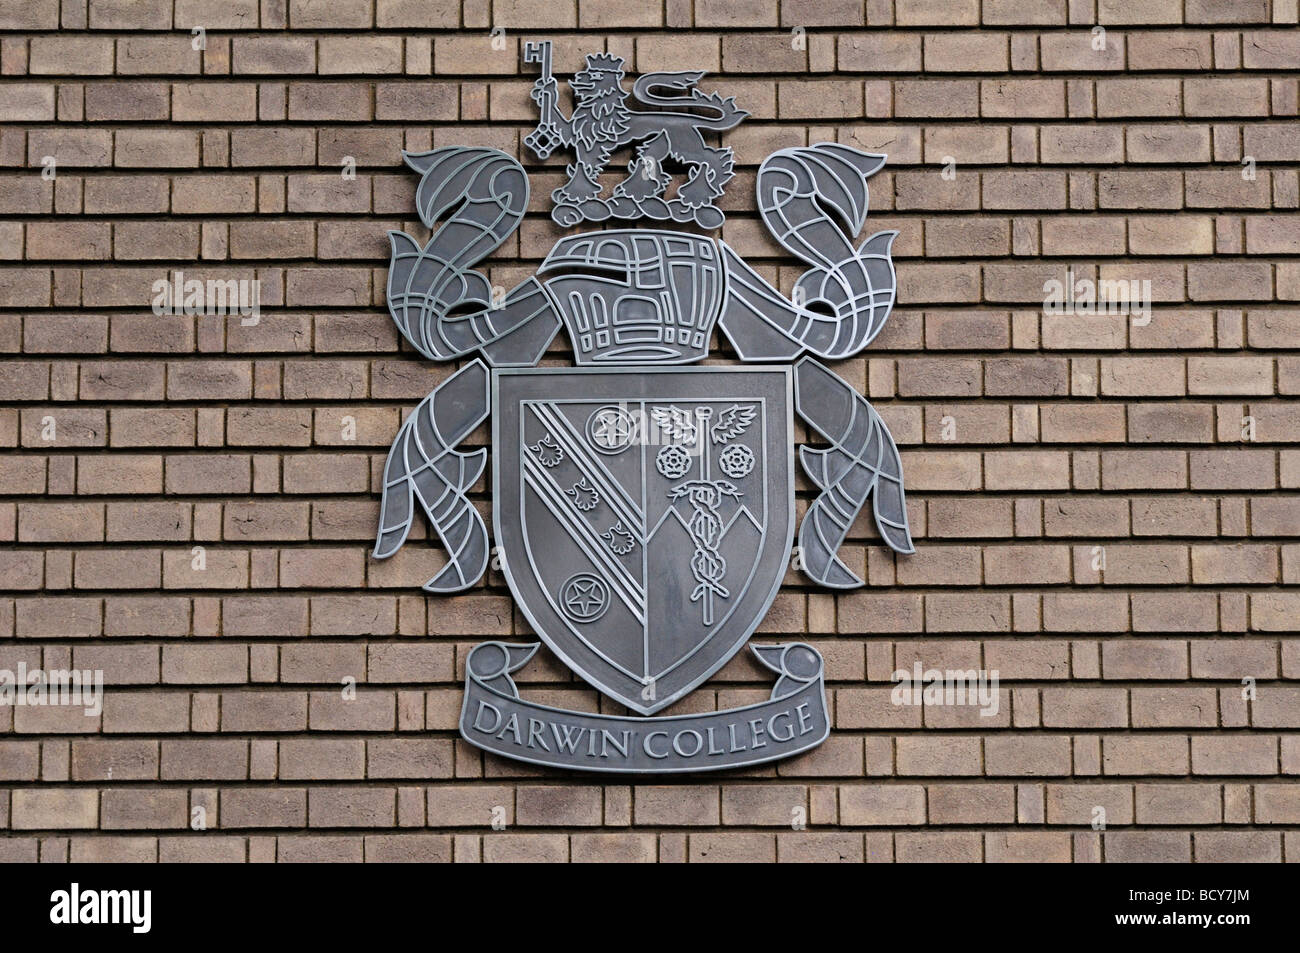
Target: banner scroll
793 720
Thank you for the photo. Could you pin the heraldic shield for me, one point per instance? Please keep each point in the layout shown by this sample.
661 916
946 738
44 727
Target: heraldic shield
643 505
645 515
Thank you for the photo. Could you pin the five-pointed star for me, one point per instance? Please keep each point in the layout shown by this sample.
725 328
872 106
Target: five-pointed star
583 597
612 430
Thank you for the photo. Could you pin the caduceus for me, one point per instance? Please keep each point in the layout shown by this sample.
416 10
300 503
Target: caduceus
705 525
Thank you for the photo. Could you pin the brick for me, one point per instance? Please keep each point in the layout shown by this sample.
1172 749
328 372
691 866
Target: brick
966 53
1031 98
140 808
1027 847
558 806
197 759
933 756
115 759
936 99
260 807
350 807
202 849
679 805
1237 846
869 52
407 848
113 473
934 13
408 758
1085 708
1087 439
732 848
936 847
1173 612
1034 470
1240 755
1274 804
470 805
1148 847
54 809
1027 755
263 711
530 848
320 850
87 55
369 711
22 761
1144 755
971 804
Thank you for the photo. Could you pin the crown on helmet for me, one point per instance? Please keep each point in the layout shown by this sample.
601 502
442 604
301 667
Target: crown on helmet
604 62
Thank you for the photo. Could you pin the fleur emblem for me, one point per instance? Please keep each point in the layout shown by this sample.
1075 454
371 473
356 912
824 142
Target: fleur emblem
549 453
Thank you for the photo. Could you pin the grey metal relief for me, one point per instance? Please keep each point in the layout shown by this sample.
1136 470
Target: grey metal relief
424 466
861 461
482 193
667 127
644 516
814 201
637 296
643 509
794 719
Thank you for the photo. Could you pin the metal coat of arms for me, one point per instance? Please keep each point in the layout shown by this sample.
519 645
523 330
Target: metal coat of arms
602 123
643 510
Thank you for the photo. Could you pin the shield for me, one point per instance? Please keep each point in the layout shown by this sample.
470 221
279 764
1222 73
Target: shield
644 515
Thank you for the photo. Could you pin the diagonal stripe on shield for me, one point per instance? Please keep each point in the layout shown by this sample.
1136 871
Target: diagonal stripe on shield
644 516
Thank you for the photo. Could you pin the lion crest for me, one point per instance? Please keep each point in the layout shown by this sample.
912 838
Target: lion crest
602 122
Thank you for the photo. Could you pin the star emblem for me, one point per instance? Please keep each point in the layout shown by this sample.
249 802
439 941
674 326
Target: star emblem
611 429
585 597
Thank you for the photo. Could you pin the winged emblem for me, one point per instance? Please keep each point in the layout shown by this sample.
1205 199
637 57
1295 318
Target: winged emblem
732 422
674 423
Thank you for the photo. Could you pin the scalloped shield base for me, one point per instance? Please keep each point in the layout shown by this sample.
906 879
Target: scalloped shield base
644 516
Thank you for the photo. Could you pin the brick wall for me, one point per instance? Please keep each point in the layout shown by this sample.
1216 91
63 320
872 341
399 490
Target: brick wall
1090 520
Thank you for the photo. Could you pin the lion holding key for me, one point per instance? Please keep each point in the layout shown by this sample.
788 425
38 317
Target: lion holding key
602 123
